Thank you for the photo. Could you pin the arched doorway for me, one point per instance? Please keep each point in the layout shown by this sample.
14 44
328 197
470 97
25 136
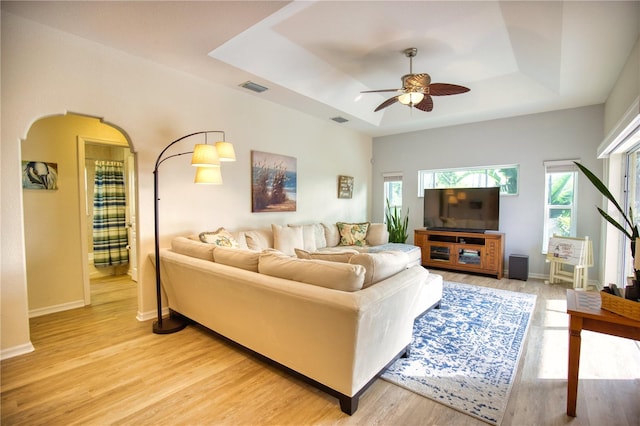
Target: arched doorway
56 220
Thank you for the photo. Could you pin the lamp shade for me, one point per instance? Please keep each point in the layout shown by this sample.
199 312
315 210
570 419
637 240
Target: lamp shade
411 98
226 151
208 176
205 156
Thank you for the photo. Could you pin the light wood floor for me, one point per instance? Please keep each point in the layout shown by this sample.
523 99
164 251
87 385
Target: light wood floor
98 365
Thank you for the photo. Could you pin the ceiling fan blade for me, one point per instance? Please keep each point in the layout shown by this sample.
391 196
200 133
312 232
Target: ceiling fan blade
382 90
425 104
443 89
386 103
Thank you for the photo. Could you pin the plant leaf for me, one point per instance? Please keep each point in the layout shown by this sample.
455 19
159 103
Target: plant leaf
604 191
616 224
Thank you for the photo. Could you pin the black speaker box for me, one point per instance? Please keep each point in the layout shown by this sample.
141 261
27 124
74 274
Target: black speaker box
518 267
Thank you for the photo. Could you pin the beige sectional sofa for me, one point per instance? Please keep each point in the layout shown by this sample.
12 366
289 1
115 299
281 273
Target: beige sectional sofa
336 316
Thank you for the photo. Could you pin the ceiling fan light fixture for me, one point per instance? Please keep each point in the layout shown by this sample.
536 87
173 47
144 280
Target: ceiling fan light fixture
417 89
411 98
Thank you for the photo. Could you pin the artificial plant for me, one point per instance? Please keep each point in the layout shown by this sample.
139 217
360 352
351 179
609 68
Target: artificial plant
628 227
396 225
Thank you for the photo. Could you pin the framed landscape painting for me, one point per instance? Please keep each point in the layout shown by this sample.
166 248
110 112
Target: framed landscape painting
273 182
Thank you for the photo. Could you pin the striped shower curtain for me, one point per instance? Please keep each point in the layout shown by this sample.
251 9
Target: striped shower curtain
110 238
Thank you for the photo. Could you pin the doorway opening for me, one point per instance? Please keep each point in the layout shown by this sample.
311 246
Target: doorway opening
108 179
58 220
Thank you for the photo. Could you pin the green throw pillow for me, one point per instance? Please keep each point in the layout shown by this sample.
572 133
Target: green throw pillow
353 234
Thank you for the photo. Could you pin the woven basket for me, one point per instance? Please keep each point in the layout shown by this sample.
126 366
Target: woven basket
620 305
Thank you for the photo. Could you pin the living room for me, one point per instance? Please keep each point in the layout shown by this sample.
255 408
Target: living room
48 72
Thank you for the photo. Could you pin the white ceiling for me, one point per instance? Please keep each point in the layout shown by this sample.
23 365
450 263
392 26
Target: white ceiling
517 57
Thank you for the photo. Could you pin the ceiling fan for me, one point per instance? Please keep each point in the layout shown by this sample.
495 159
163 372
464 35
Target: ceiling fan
417 89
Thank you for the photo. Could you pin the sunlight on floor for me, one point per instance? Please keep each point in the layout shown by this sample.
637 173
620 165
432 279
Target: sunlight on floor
597 351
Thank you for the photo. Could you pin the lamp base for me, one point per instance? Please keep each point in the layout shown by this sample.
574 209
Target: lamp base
169 325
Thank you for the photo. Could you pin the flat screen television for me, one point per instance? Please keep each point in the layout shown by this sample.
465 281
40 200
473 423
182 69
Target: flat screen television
462 209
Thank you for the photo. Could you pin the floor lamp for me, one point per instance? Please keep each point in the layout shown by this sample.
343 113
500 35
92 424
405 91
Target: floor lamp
207 159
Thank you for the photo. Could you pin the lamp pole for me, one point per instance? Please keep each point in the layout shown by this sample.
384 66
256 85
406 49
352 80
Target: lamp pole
171 324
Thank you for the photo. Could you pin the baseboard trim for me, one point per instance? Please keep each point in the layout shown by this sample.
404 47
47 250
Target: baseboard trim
150 315
545 278
56 308
16 351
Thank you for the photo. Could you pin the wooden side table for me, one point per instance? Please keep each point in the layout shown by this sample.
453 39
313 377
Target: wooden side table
585 313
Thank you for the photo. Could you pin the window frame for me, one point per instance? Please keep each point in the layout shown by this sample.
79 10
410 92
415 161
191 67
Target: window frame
472 170
556 167
387 179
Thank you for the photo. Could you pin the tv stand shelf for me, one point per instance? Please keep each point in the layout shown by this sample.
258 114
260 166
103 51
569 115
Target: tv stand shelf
462 251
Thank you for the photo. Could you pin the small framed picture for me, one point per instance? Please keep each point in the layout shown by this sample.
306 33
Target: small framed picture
345 186
39 175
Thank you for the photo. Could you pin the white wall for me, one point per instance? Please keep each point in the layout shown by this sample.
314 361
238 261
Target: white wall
526 141
621 118
47 72
624 93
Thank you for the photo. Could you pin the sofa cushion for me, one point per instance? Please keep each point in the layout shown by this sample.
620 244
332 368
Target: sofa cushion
240 238
321 239
380 266
353 234
240 258
308 236
219 237
414 254
189 247
377 234
259 239
286 239
331 234
334 275
338 256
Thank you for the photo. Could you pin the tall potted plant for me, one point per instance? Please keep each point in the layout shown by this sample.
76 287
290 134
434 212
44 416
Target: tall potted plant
628 227
396 225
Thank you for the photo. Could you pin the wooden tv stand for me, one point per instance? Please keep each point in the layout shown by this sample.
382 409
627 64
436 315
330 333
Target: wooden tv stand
462 251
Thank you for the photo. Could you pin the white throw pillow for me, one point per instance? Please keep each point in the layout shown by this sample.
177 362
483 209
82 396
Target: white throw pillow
240 238
287 238
259 239
377 234
321 239
308 236
331 234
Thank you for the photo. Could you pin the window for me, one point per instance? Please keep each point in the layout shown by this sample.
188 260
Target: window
623 180
506 177
632 200
392 191
559 200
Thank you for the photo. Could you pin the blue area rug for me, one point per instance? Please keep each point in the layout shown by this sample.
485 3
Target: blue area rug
465 355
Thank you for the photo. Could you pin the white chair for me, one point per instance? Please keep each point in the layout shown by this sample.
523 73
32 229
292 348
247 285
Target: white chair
572 252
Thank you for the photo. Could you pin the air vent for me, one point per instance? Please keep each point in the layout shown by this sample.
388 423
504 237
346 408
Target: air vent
339 119
253 86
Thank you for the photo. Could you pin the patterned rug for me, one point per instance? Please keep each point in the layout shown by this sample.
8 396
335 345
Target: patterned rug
465 355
